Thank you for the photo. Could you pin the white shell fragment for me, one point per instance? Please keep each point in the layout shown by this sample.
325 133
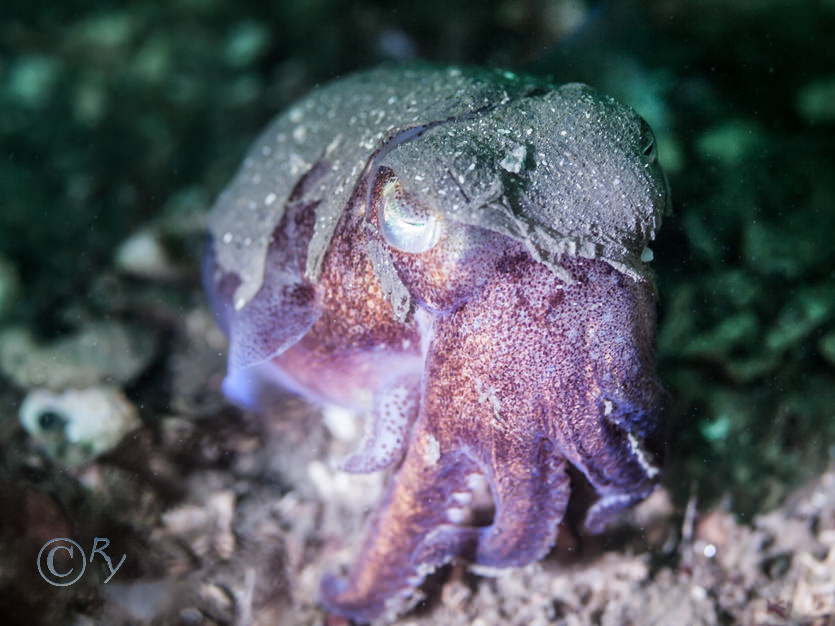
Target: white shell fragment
76 426
143 254
160 250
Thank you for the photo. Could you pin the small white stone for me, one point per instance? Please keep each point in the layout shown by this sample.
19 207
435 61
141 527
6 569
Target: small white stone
142 254
78 425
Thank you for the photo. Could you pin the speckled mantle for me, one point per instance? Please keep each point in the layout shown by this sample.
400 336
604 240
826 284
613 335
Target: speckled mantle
499 150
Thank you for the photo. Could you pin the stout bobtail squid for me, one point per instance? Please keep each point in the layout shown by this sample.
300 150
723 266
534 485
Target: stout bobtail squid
462 255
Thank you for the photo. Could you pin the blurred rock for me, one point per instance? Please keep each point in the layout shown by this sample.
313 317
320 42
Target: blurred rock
815 101
32 79
807 309
9 287
731 142
826 345
169 247
105 33
197 367
246 42
143 254
777 248
106 351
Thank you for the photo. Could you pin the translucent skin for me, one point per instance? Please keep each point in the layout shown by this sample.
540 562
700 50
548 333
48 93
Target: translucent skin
502 369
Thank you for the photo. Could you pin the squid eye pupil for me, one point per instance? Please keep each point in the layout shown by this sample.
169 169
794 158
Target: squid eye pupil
406 225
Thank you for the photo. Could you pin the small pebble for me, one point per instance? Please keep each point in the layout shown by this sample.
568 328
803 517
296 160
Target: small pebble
76 426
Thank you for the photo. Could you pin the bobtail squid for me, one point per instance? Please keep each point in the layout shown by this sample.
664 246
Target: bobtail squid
462 255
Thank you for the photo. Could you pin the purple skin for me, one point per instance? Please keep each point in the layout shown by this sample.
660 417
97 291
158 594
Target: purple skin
502 370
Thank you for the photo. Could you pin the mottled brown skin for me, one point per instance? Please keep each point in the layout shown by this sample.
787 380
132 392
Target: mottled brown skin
356 341
508 373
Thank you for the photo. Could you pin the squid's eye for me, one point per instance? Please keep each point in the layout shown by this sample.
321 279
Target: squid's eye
405 223
648 149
